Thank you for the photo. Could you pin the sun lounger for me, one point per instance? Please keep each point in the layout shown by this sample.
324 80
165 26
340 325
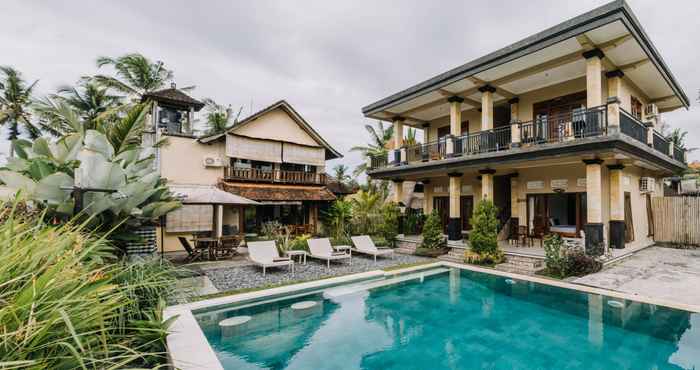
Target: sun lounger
265 254
365 245
322 249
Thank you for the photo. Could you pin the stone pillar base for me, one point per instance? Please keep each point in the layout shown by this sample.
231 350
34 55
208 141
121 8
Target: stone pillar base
595 244
454 229
617 234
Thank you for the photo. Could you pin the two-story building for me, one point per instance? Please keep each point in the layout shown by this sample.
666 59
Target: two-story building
560 130
269 166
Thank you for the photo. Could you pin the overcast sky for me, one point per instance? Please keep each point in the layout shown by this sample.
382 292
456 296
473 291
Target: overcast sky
327 58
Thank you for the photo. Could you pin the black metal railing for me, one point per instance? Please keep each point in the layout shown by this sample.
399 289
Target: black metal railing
578 123
632 127
483 141
678 153
660 143
378 161
427 152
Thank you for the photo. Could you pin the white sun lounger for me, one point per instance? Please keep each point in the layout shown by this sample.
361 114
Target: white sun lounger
265 254
365 245
322 249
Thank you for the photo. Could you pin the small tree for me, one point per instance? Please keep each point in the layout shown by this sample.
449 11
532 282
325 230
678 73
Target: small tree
432 232
484 235
390 224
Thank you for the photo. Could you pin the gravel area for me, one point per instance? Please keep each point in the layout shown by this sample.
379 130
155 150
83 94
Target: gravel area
250 276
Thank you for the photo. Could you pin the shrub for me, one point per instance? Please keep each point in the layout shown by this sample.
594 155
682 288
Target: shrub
562 261
486 258
554 255
430 252
337 219
299 243
484 235
67 303
432 232
390 224
414 223
578 263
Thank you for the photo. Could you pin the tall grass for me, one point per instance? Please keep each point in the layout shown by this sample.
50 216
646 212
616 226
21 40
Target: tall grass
67 303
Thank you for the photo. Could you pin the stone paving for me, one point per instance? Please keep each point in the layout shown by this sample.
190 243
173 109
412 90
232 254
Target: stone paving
245 275
665 273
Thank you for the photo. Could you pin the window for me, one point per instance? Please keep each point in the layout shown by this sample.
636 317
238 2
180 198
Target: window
445 130
294 167
636 107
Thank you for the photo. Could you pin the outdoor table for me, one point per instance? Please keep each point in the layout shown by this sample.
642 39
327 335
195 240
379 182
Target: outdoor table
211 245
341 248
301 254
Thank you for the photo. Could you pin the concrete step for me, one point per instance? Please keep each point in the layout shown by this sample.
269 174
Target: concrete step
451 258
521 264
405 250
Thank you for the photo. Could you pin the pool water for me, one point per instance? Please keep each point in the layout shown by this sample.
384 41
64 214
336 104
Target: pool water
458 320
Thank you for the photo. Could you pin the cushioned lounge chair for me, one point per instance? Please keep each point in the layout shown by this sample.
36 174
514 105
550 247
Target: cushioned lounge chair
322 249
365 245
265 254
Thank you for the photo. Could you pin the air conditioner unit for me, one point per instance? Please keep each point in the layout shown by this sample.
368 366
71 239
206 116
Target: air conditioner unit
647 184
651 110
213 162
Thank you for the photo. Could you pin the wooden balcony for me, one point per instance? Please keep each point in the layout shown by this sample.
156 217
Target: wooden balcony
274 176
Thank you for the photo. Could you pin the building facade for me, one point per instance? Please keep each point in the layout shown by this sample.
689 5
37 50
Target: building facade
272 163
560 130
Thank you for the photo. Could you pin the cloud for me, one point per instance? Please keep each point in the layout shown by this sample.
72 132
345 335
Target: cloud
326 58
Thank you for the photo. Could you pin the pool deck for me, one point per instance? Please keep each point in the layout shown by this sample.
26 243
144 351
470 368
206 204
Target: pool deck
670 274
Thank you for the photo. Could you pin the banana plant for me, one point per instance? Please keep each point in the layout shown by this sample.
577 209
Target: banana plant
126 183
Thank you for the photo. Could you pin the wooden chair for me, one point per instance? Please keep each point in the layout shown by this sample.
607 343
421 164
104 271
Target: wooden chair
523 236
228 246
193 254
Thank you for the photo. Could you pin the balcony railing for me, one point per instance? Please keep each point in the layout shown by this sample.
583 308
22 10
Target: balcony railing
630 126
274 176
427 152
483 141
565 127
678 153
660 143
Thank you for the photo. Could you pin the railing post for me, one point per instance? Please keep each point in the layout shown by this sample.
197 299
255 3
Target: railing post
403 156
449 146
370 164
613 115
650 133
671 145
515 134
425 152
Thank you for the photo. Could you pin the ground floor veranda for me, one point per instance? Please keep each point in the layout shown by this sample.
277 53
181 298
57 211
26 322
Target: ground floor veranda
599 202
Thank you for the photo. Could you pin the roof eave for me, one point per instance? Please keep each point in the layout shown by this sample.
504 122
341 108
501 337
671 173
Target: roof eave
616 10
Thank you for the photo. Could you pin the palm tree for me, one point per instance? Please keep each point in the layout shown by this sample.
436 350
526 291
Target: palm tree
219 118
92 103
379 138
15 98
341 174
135 76
677 137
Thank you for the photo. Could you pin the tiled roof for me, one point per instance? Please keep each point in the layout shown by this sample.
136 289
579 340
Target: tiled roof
338 188
260 192
175 97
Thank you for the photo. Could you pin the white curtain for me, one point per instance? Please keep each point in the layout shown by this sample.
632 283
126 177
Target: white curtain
259 150
314 156
190 218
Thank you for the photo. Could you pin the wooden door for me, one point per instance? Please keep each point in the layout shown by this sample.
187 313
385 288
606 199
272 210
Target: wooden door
466 205
540 223
441 205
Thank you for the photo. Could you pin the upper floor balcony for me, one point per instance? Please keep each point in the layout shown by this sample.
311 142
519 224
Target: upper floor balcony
274 176
578 125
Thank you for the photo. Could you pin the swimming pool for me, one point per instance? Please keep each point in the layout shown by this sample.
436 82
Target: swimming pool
450 318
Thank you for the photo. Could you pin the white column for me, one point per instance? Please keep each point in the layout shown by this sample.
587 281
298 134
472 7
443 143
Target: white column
487 183
398 190
454 227
514 122
427 197
455 115
614 79
219 220
595 242
487 107
398 132
617 207
594 70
